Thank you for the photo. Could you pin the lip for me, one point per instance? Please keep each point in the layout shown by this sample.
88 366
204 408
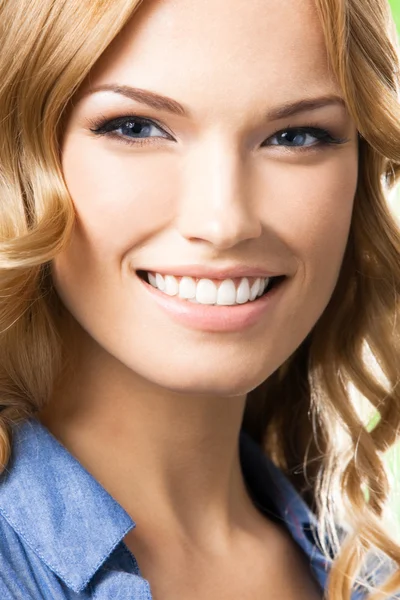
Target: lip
203 272
222 319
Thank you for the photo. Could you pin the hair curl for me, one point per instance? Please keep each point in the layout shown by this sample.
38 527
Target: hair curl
303 415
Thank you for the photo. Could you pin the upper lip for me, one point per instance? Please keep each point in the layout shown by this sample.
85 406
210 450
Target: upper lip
202 271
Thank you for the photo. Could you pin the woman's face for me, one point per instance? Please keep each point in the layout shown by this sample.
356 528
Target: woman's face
255 175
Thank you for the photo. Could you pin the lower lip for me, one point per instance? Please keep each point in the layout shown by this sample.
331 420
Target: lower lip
215 318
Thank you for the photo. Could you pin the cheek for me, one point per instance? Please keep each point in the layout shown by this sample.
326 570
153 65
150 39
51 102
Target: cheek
312 216
119 200
329 216
118 206
311 208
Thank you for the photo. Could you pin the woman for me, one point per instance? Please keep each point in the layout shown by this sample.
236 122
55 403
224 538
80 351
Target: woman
196 250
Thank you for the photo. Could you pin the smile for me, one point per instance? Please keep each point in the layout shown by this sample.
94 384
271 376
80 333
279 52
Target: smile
225 292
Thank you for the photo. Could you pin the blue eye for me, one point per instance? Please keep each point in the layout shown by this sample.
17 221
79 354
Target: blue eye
137 131
130 129
302 137
136 128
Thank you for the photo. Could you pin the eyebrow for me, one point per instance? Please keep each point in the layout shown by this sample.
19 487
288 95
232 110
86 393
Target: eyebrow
159 102
144 97
293 108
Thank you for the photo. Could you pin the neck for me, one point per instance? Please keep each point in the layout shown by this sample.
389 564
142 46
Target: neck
171 460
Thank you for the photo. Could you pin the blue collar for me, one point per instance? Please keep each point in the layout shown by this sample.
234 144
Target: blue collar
81 524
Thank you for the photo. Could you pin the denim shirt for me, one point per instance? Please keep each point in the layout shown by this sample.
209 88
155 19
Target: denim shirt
61 533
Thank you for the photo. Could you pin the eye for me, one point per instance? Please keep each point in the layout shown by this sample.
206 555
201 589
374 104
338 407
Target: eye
134 130
303 137
130 129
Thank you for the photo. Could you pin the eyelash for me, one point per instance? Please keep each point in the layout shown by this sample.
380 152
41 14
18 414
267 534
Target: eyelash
108 127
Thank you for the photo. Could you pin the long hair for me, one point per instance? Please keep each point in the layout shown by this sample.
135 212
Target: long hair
302 415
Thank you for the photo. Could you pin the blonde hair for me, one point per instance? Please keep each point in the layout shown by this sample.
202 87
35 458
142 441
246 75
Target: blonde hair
303 415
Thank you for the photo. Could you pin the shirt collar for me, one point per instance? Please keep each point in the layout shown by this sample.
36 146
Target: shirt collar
64 515
270 484
272 488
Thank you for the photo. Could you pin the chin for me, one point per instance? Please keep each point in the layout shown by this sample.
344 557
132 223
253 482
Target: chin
215 382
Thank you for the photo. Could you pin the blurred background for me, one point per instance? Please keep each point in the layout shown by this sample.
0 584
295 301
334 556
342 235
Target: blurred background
395 4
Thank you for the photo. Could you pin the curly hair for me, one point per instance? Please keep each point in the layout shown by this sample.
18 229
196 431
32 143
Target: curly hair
303 415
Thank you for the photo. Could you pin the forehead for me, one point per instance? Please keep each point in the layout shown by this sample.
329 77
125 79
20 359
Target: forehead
219 49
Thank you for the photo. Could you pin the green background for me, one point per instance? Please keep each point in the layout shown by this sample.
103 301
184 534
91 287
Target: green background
395 4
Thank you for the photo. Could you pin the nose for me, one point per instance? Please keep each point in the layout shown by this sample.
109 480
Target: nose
217 203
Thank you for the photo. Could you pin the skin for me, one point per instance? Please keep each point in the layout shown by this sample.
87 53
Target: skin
154 408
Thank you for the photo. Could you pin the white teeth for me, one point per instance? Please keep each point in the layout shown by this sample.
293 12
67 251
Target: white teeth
226 293
171 285
255 288
187 288
160 282
206 291
152 280
263 286
243 292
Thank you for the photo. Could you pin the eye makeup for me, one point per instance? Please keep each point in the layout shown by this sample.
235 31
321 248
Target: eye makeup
291 138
